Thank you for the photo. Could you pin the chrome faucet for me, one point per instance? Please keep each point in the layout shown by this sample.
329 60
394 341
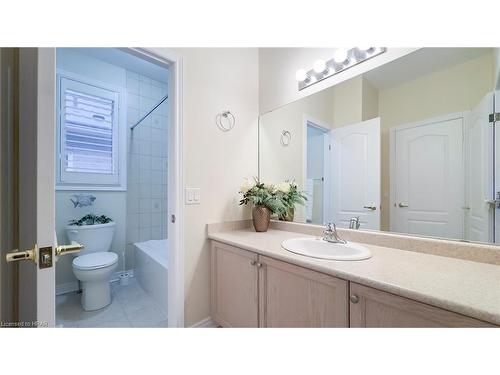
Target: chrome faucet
354 223
330 234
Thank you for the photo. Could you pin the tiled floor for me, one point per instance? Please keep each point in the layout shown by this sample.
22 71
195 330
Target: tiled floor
131 306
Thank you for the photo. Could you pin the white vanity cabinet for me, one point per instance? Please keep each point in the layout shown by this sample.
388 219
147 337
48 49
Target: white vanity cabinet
251 290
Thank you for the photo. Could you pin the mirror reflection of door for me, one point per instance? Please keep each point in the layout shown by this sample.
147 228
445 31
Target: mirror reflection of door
480 203
356 174
427 160
317 179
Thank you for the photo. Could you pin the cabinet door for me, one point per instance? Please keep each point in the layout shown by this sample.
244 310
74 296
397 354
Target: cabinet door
234 286
373 308
292 296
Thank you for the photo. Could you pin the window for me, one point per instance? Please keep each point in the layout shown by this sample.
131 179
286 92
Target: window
90 138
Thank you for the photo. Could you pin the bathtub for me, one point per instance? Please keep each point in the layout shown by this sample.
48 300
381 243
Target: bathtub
151 269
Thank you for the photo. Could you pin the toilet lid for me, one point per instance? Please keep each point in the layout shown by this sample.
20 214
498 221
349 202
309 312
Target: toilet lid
95 260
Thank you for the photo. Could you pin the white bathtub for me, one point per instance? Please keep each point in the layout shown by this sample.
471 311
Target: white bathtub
151 269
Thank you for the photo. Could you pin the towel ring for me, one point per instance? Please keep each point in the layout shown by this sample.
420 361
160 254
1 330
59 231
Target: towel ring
225 120
286 138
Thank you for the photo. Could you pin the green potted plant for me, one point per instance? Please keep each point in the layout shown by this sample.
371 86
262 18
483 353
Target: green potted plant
265 199
290 195
91 219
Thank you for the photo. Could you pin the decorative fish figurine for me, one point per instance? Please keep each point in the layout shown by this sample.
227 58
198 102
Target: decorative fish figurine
82 200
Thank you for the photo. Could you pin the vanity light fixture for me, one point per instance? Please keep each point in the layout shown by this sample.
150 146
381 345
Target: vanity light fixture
319 66
343 59
301 75
341 56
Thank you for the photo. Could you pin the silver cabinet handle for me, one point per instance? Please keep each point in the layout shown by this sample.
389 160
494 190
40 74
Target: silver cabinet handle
372 208
259 264
354 298
402 205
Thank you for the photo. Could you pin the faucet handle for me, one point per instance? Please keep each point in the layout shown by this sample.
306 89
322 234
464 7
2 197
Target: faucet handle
330 227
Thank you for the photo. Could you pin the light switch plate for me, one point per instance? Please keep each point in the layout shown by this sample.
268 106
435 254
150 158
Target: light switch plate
192 196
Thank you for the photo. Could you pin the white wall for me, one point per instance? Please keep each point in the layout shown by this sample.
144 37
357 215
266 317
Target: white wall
147 211
215 161
277 67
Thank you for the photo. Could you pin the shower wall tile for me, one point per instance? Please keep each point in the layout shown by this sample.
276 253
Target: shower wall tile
147 211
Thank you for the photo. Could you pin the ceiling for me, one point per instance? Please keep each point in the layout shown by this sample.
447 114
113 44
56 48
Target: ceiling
128 61
418 63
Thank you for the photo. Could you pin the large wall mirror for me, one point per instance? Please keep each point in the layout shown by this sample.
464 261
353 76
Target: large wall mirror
407 147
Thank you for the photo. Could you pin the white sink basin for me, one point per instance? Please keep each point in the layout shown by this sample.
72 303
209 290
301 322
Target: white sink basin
318 248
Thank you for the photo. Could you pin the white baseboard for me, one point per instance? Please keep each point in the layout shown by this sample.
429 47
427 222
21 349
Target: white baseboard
205 323
73 285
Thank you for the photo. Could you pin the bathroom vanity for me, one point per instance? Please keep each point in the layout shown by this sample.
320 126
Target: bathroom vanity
256 283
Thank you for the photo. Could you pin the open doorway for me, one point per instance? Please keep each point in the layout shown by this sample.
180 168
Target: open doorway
317 170
112 196
89 190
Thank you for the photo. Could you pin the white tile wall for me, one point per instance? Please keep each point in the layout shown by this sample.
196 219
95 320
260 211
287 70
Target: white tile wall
147 163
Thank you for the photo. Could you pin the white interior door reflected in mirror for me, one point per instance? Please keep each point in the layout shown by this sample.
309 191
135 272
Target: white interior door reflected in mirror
356 174
480 198
428 159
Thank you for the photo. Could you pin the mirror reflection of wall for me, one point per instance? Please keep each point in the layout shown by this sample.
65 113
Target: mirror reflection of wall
407 147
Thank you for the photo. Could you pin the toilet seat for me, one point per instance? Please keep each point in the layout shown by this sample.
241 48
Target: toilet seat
94 261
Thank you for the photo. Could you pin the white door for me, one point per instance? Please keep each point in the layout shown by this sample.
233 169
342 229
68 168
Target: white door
35 166
480 204
356 174
427 178
496 177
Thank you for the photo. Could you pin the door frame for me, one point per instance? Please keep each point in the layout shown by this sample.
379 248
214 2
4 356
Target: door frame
392 156
175 176
175 179
308 120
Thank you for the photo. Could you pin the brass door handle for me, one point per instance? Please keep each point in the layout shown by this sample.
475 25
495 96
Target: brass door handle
372 208
16 255
68 249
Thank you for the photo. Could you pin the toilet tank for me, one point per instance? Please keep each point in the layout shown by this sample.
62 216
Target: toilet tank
94 238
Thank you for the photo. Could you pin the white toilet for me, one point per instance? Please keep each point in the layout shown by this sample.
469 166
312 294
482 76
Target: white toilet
95 264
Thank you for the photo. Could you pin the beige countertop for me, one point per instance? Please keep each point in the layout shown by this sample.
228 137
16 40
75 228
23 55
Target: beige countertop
462 286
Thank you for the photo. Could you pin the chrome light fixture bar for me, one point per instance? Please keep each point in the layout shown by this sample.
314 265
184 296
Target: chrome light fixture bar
343 59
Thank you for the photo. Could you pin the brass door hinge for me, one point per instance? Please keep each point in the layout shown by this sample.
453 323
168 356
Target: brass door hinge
494 117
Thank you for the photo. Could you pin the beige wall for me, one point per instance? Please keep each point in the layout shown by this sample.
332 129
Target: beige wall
215 161
455 89
277 67
496 59
370 101
337 106
347 107
279 163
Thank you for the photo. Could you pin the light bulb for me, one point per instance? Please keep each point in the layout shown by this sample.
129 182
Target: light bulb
319 66
340 55
300 75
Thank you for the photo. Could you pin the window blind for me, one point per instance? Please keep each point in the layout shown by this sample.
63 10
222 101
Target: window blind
88 122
